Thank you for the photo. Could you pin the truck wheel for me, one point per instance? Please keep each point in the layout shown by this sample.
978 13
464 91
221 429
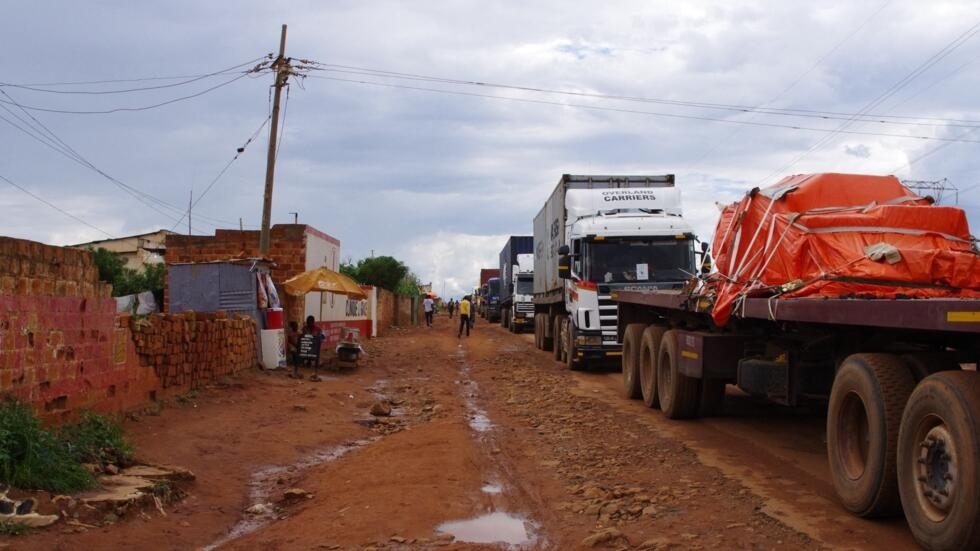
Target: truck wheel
649 354
537 332
632 343
939 461
679 394
556 346
546 340
571 353
865 412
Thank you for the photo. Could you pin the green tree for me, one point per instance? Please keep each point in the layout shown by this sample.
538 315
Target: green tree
127 281
381 271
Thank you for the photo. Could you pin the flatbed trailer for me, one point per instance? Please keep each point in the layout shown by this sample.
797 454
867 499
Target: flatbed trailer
903 421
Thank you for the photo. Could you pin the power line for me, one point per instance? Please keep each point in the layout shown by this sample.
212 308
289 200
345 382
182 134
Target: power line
189 80
51 140
884 96
717 143
651 113
791 112
121 109
238 153
55 207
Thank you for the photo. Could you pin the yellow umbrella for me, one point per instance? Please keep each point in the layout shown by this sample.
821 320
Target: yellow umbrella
323 280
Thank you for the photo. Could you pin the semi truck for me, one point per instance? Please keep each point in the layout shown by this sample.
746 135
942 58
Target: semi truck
491 305
483 290
850 290
517 283
595 235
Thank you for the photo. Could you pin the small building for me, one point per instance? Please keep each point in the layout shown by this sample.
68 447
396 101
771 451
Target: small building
136 250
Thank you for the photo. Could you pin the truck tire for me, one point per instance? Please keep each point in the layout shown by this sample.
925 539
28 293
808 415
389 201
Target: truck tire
632 343
546 340
712 397
537 332
939 451
679 394
571 353
556 347
649 354
863 418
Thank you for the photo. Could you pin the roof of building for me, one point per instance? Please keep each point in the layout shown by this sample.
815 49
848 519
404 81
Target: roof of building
123 238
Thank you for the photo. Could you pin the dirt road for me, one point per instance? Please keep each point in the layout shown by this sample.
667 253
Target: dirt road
488 441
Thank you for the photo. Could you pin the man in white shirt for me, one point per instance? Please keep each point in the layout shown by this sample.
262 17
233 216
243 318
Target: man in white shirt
428 305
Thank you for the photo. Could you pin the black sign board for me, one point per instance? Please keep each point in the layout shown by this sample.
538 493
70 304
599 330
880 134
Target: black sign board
309 347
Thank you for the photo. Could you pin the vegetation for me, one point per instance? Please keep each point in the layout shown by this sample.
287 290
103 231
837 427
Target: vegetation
127 281
13 528
97 439
383 271
35 458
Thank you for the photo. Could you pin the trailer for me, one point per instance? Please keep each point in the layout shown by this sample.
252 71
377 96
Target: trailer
844 288
517 282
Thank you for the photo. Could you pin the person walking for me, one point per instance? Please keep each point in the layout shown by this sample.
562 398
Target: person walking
464 316
450 307
429 306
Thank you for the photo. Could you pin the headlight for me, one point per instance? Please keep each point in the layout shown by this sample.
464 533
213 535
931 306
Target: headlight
590 340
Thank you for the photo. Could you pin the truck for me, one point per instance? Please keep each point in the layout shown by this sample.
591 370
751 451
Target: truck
517 282
594 235
491 303
877 328
482 290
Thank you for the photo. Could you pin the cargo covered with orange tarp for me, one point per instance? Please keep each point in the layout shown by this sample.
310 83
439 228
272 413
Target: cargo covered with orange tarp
841 235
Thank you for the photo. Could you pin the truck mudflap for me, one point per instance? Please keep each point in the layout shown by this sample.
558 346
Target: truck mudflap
704 355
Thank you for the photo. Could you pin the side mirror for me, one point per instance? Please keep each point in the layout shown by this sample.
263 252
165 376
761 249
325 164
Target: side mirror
565 266
563 250
704 246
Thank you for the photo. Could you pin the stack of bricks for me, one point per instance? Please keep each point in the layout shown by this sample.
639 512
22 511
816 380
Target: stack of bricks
188 349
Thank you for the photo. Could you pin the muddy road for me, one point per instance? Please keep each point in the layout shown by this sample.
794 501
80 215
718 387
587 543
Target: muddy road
488 443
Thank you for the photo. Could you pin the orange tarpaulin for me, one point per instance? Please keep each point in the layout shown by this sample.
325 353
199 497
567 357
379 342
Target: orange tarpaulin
323 280
841 235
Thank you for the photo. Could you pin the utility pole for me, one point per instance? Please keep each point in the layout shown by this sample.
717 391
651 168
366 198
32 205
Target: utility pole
281 66
190 205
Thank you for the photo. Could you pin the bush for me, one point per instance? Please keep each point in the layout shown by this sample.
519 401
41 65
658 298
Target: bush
97 439
34 458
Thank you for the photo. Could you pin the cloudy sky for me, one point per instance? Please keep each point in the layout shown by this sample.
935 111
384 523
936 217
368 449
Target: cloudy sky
439 178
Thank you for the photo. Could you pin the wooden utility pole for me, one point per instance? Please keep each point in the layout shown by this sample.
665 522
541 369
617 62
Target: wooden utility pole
281 66
190 205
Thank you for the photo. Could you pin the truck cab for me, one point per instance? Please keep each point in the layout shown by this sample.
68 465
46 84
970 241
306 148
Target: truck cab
521 309
492 299
627 247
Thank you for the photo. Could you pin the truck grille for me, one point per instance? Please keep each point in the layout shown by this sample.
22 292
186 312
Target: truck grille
607 316
525 307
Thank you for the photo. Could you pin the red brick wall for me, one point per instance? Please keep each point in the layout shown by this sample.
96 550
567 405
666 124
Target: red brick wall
287 248
63 349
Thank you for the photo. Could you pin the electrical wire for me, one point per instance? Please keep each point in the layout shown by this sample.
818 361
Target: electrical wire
121 109
881 98
650 113
238 154
56 207
189 80
792 112
52 141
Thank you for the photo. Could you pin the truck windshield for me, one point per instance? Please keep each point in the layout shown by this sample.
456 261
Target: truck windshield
524 287
626 260
494 287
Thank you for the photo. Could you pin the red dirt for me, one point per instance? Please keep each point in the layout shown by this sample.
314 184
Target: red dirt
572 457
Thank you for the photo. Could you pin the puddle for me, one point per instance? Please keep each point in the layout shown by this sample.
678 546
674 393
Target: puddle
264 483
491 489
480 422
490 528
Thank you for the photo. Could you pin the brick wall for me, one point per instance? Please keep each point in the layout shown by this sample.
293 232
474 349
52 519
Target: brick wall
287 248
63 349
385 310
